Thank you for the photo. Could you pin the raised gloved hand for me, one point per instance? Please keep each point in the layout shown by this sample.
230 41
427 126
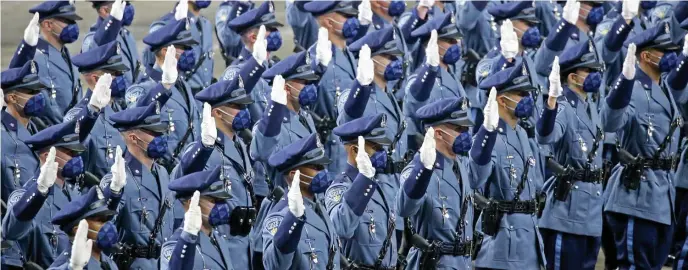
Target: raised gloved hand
629 9
426 3
365 72
101 94
628 70
365 13
323 49
32 31
208 129
295 200
119 173
192 217
570 12
2 99
48 174
363 163
432 53
260 48
81 248
117 10
685 45
279 94
428 152
491 111
555 89
182 10
509 40
169 67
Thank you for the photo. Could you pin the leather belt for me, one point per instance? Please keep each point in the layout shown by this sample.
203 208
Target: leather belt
456 248
588 176
145 253
368 267
666 164
524 207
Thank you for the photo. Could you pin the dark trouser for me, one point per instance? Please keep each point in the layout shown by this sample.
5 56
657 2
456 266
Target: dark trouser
680 245
569 251
608 244
640 243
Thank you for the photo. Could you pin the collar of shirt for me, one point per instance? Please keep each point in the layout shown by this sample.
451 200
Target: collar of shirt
134 165
9 121
643 78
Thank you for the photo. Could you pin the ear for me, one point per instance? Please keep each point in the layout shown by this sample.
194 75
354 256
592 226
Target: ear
438 134
571 78
45 24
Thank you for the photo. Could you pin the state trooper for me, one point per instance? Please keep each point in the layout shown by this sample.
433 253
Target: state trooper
641 192
30 208
200 243
145 218
366 225
108 61
435 79
385 13
86 220
302 23
475 22
571 222
110 26
267 41
341 20
181 113
287 119
230 41
221 146
507 175
22 100
298 233
379 65
435 199
57 23
195 62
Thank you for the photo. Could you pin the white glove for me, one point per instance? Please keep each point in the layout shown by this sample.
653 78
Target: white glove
279 94
81 248
427 3
2 99
629 9
509 40
295 200
48 174
628 70
31 32
323 49
260 48
192 217
117 10
169 67
365 72
570 12
119 174
428 152
491 111
208 129
101 94
555 89
182 10
365 13
432 53
685 45
363 163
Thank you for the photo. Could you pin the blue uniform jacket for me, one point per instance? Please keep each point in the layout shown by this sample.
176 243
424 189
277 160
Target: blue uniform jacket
303 24
434 200
62 261
475 24
572 129
185 251
18 161
299 243
103 32
61 77
362 210
497 163
639 112
230 41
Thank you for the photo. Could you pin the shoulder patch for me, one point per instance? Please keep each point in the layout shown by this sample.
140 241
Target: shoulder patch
71 114
230 73
105 181
166 252
343 97
660 13
132 96
86 46
15 197
483 69
334 195
603 29
272 223
222 14
405 174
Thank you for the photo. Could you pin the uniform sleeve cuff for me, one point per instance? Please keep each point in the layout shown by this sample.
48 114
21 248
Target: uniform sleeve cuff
417 182
195 159
559 36
250 73
677 78
30 203
359 194
483 144
620 95
289 233
108 31
184 251
617 34
545 125
113 198
357 99
271 122
424 82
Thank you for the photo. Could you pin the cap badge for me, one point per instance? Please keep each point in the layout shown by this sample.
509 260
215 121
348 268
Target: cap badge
383 123
317 141
119 50
187 24
100 193
525 70
271 7
241 81
76 127
591 47
464 104
157 107
308 58
33 67
531 161
666 28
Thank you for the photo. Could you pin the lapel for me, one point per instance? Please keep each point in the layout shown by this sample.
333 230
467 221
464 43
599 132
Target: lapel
232 152
12 125
448 175
295 125
450 84
384 99
146 178
55 57
511 137
60 200
313 219
656 93
342 58
209 249
581 113
223 248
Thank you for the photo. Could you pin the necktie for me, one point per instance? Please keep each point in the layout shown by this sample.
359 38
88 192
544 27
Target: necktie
304 122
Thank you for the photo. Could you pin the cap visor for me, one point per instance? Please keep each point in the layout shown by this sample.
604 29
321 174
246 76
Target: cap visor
159 127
